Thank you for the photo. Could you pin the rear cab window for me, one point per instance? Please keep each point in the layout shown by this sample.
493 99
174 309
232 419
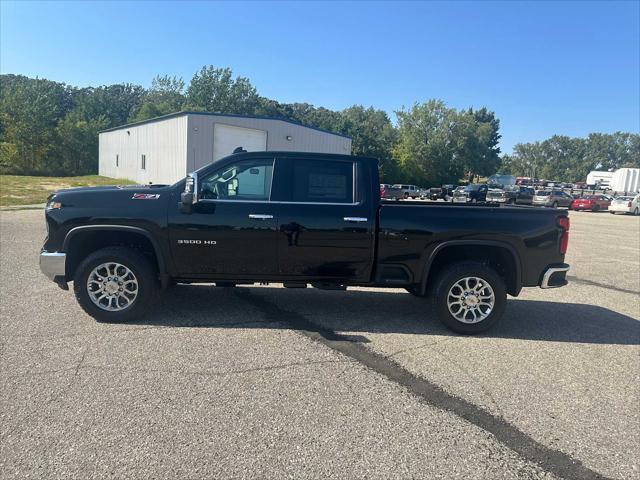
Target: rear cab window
315 181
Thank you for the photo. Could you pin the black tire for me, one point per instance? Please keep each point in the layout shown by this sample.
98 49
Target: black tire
596 208
136 262
554 205
446 280
636 212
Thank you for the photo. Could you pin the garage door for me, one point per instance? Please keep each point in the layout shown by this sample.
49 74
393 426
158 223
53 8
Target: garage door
226 138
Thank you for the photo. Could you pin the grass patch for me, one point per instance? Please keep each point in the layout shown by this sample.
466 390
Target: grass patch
27 190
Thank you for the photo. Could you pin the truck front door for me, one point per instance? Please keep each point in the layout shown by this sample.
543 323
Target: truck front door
325 222
231 231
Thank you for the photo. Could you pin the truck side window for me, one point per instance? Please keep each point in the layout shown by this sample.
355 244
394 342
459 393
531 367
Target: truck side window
243 180
322 181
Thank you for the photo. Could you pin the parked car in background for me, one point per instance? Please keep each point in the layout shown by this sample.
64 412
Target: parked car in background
552 198
391 192
409 190
524 181
594 203
435 193
501 181
625 204
580 185
473 193
447 191
518 194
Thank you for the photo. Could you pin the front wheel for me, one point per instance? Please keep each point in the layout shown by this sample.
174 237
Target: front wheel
470 297
115 284
636 212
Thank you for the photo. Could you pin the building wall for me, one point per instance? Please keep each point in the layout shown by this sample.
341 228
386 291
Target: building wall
626 180
178 145
164 144
303 139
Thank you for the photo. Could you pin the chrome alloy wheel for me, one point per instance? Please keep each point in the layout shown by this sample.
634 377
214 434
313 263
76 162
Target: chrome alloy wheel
112 286
471 300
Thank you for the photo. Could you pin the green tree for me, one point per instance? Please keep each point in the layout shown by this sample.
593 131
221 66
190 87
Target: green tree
437 144
78 144
215 90
373 136
165 96
31 110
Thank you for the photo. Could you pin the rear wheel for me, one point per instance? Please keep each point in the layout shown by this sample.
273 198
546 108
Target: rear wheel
636 211
470 297
596 208
115 284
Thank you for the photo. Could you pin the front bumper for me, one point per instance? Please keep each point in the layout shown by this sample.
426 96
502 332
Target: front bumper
53 265
555 276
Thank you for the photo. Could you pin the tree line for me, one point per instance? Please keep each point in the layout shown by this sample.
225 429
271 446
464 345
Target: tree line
50 128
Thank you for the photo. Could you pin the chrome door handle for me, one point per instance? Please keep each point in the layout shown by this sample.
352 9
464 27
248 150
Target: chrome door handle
355 219
260 216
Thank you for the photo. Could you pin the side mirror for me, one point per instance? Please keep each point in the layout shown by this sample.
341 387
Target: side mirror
189 197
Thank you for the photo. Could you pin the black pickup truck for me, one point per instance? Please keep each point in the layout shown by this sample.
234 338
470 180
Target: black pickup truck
296 219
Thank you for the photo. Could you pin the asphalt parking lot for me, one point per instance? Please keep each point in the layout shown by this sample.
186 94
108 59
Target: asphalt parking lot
267 382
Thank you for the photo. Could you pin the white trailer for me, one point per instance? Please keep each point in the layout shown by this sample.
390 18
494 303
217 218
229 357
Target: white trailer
625 180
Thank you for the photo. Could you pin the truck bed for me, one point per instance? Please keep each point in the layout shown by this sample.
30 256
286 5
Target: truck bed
410 232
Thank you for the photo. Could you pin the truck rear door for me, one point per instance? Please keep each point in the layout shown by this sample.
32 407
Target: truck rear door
326 222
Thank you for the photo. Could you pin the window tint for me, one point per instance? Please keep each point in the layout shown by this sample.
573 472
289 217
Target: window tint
243 180
322 181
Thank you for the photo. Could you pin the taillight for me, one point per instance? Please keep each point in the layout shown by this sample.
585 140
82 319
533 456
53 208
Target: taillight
629 204
564 223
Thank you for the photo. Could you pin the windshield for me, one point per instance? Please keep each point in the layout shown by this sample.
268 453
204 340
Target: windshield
501 180
542 193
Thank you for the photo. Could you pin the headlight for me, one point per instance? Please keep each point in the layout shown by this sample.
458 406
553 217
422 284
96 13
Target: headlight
53 205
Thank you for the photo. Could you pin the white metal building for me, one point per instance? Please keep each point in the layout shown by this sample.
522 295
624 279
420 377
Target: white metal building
621 180
165 149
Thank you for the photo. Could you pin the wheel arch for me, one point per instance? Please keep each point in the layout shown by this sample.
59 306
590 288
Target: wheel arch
83 240
500 255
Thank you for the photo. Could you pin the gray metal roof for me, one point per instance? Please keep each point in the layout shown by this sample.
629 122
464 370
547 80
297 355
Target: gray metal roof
178 114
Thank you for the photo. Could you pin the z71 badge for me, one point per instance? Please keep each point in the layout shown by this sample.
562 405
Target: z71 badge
145 196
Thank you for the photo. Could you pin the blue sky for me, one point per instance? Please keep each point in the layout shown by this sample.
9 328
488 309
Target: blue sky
544 67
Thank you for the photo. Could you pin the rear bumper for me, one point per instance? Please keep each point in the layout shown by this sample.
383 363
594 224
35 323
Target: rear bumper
53 265
555 276
620 208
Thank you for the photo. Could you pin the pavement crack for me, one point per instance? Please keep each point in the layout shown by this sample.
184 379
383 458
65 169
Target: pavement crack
204 373
551 460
